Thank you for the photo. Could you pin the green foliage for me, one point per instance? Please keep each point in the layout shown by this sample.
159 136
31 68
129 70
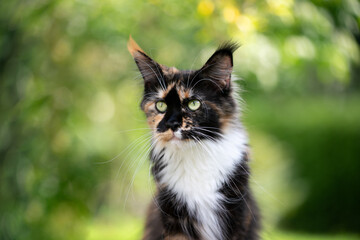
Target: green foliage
69 100
321 138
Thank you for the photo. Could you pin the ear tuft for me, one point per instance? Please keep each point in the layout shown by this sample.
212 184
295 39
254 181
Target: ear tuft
150 70
228 46
133 47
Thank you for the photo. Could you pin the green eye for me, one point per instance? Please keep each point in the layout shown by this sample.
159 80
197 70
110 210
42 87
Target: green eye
194 104
161 106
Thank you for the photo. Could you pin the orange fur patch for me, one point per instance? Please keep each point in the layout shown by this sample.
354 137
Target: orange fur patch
167 90
186 121
153 121
147 107
186 94
166 136
225 121
169 70
133 47
182 92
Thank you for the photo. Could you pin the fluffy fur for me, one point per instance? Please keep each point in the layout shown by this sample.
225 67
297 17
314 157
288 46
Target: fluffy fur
199 157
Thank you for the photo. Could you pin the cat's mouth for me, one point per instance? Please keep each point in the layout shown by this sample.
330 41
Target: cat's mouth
171 136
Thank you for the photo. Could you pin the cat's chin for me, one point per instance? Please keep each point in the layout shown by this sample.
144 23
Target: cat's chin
176 138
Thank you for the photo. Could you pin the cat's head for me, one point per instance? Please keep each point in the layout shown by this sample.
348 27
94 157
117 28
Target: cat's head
188 105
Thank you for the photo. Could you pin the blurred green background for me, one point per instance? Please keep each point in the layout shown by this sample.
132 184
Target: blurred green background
73 141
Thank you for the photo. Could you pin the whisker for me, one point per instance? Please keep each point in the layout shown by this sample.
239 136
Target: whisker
123 151
132 149
135 129
206 136
204 129
133 177
142 159
210 127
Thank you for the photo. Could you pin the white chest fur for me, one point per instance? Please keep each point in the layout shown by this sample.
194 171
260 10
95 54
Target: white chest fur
196 171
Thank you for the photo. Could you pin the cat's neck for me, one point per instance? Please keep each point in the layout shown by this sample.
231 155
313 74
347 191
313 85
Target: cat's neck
203 161
195 172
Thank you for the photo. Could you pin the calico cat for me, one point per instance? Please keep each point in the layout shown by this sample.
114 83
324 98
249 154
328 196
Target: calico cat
200 154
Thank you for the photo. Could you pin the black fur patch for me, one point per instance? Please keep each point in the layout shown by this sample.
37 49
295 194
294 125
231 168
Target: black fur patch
241 214
173 113
176 217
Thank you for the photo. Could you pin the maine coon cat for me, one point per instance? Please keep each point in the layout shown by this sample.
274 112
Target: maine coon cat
200 153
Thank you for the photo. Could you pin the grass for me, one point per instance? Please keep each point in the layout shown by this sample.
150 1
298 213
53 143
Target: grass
127 229
281 235
131 229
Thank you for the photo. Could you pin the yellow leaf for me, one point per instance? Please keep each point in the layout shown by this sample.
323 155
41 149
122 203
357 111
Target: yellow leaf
205 8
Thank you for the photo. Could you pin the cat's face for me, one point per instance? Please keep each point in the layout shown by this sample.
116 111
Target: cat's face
187 105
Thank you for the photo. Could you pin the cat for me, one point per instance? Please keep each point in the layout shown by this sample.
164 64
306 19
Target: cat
199 151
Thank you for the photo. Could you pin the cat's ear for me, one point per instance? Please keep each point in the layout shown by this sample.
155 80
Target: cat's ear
219 66
150 70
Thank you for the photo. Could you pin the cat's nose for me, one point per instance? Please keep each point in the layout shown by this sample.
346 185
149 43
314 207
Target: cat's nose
173 123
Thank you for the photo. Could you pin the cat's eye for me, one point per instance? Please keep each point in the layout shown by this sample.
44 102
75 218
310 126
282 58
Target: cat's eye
161 106
194 104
